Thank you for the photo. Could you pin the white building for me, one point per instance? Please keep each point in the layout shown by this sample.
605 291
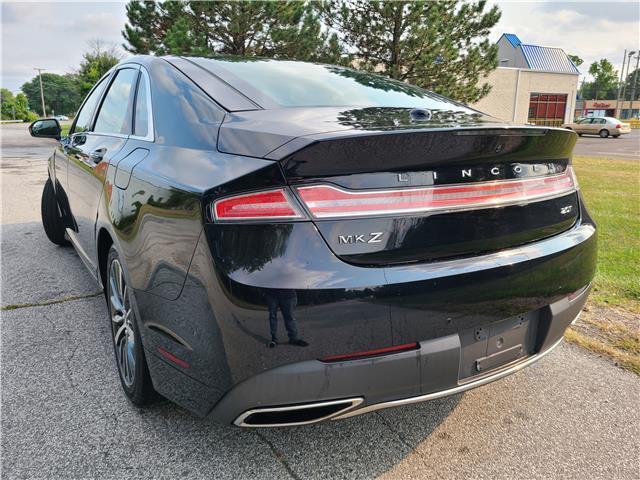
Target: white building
533 84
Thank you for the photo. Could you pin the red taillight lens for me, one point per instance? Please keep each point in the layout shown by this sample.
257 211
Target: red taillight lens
325 201
267 205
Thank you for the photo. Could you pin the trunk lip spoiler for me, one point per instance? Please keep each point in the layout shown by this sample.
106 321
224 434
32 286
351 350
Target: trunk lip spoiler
297 143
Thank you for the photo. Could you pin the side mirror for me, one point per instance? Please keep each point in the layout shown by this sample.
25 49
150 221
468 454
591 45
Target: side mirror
45 128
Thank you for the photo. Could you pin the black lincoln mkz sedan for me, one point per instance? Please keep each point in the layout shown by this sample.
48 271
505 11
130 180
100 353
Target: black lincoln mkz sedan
282 243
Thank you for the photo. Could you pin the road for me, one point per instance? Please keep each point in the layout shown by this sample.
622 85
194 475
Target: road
626 146
572 415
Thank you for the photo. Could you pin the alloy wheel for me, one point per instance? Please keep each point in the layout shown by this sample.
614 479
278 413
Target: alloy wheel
121 323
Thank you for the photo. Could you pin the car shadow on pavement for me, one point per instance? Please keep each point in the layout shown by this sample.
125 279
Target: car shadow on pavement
359 447
64 415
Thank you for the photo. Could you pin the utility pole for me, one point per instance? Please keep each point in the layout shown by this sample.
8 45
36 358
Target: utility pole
635 81
617 112
44 111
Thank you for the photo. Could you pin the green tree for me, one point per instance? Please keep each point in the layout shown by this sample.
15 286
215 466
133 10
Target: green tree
442 46
629 85
7 104
61 93
605 80
95 63
305 37
182 39
160 28
16 107
288 29
142 31
577 61
22 108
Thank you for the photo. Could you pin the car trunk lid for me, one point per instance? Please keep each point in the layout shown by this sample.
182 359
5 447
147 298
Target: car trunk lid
388 196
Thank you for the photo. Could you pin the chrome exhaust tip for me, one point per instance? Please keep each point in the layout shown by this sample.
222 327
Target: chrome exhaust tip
293 415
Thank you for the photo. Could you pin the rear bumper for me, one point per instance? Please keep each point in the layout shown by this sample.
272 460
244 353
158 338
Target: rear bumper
372 384
493 376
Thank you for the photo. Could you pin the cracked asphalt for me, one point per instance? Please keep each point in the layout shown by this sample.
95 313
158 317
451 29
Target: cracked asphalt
572 415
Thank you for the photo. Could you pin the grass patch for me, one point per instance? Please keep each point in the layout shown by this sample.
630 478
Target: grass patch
631 345
50 302
609 325
64 129
611 189
626 360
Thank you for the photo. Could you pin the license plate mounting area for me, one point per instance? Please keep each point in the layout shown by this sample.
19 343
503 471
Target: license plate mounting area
488 347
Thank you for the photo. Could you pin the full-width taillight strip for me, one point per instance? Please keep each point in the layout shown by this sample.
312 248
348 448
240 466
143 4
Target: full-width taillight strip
327 201
267 205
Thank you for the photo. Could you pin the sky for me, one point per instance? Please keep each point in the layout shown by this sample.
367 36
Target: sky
53 36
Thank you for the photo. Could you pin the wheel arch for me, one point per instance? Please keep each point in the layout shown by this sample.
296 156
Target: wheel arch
51 168
104 242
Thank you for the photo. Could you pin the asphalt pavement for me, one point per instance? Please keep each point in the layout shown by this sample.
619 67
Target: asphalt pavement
625 147
571 415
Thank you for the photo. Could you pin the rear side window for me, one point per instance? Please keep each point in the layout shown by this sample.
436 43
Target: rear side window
83 119
141 123
116 111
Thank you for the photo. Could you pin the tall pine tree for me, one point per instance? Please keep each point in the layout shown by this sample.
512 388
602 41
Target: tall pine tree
287 29
439 45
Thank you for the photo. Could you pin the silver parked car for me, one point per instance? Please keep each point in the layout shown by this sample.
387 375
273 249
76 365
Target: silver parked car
603 126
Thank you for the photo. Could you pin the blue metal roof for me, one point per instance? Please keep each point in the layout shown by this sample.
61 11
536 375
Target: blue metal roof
548 59
513 39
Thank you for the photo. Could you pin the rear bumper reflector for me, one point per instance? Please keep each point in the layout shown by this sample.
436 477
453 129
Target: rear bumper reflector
371 353
172 358
327 201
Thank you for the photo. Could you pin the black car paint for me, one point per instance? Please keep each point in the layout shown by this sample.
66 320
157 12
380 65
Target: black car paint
200 287
428 238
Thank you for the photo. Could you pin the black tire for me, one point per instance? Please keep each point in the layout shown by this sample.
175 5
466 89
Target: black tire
51 216
135 380
604 133
579 134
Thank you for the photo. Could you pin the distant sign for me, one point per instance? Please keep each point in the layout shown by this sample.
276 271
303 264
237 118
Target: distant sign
600 104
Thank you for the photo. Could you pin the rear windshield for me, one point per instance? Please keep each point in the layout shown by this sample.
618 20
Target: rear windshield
298 84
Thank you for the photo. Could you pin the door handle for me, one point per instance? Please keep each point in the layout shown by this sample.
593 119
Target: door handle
97 155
